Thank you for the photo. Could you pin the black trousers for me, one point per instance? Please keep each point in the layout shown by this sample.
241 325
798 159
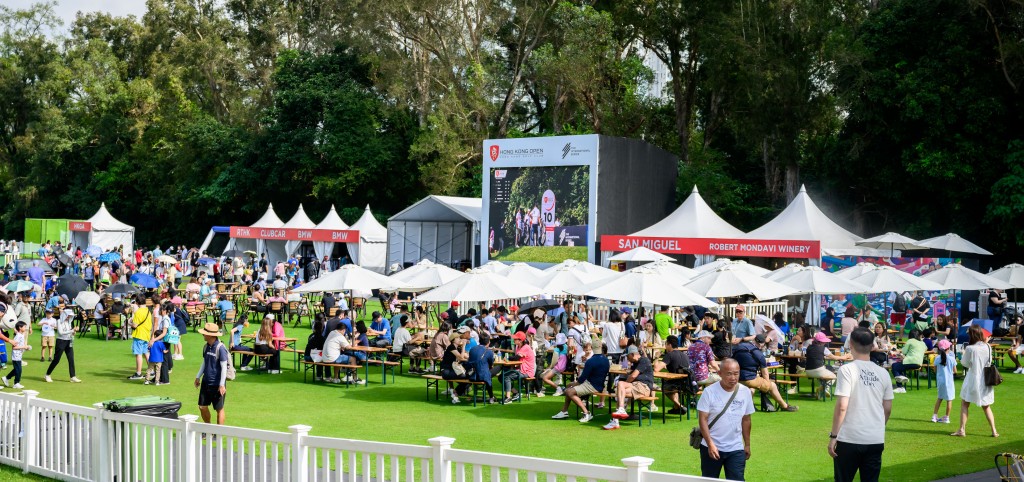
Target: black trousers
15 371
851 458
734 463
62 347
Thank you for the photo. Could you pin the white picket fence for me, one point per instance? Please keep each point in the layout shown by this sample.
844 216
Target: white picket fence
69 442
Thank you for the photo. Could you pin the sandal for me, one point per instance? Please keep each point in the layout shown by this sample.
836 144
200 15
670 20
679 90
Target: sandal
958 433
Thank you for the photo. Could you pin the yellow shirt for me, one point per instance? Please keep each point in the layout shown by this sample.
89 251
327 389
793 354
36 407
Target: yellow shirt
143 321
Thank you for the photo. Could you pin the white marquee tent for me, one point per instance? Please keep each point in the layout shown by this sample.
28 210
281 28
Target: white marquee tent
332 222
268 220
298 221
107 232
443 229
692 219
802 220
371 251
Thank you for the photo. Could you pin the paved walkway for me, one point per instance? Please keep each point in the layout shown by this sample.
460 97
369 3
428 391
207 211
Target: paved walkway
986 476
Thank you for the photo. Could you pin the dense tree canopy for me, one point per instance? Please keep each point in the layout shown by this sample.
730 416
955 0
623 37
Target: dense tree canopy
897 114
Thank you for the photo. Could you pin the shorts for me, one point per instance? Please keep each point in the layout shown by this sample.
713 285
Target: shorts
641 389
139 347
759 384
209 395
584 389
49 341
1019 350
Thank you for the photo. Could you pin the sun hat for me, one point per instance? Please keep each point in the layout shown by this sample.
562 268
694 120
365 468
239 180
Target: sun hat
560 339
822 337
211 329
944 344
462 329
704 334
519 336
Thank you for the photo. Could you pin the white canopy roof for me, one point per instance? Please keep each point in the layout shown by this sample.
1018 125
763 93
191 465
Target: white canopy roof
331 221
802 220
104 221
692 219
640 253
300 220
442 208
369 229
269 219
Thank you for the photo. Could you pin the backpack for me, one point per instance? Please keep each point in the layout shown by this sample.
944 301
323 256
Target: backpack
900 304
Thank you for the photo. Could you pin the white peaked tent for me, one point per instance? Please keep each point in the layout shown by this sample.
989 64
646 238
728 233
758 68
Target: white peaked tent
802 220
299 221
371 251
443 229
692 219
107 232
268 220
332 222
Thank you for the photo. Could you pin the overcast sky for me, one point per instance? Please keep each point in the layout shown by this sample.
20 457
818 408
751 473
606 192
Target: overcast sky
67 9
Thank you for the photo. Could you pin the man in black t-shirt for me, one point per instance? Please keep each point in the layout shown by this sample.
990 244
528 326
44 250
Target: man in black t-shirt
919 308
674 361
638 383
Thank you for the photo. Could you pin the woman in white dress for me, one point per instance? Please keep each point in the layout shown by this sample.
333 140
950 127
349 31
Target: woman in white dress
976 357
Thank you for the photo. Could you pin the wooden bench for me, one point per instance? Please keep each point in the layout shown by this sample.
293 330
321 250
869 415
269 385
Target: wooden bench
263 358
296 354
385 367
684 401
634 406
794 379
435 381
311 365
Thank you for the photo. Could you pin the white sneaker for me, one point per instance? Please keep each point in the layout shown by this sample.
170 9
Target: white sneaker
899 390
559 392
560 415
902 379
944 420
620 413
613 425
540 394
455 400
792 391
935 419
246 368
275 372
74 380
587 417
5 381
358 382
654 408
48 379
1019 370
18 386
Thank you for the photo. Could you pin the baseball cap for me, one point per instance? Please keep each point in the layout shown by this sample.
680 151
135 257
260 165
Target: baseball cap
944 344
455 303
627 310
462 329
530 331
760 338
821 337
513 308
632 350
519 336
444 315
704 334
740 308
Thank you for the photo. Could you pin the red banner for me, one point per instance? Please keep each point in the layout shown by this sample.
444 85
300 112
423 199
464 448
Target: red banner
292 234
79 226
761 248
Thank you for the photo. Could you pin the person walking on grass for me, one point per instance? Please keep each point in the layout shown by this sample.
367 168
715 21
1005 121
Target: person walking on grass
945 369
863 404
975 358
726 443
19 346
213 372
65 345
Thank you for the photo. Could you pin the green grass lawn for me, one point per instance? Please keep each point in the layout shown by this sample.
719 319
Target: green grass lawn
542 254
786 446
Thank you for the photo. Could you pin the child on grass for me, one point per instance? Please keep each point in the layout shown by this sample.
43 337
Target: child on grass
156 359
48 335
945 369
18 348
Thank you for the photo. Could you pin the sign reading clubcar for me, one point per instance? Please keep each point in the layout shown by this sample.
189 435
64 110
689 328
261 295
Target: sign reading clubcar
293 234
762 248
79 226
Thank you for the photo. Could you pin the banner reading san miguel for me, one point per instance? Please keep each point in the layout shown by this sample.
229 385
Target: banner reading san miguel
293 234
764 248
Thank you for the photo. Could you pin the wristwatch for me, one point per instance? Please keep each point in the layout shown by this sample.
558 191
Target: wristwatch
832 435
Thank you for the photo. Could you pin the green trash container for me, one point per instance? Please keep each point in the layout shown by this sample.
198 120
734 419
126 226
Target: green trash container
150 405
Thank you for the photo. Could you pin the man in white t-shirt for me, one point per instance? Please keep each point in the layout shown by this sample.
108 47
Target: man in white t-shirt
534 225
726 444
863 404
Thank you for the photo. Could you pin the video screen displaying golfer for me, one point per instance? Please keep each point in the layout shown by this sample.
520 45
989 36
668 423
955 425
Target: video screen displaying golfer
539 214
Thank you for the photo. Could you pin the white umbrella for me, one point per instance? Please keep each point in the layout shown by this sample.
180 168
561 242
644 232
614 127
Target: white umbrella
523 272
495 267
640 253
422 277
348 277
783 271
884 279
87 299
681 272
893 241
644 285
733 280
741 265
1011 273
856 270
955 276
598 272
566 280
812 279
480 285
953 242
708 267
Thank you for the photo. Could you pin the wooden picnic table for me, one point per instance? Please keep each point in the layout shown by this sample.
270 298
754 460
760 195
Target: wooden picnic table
507 365
289 343
371 351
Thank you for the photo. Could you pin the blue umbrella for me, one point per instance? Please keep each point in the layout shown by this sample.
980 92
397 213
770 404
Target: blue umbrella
206 261
144 280
94 250
109 257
